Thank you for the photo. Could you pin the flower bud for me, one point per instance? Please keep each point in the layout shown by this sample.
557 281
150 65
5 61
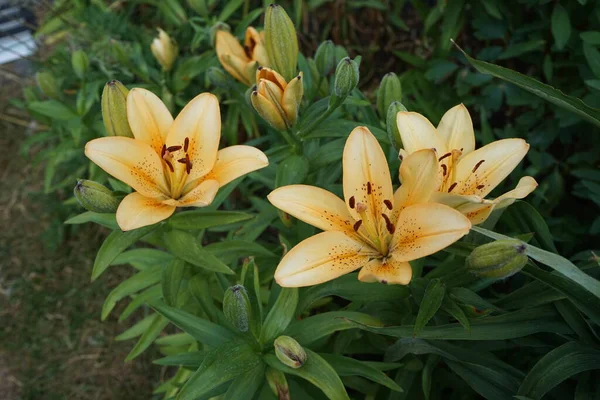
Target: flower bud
340 54
289 352
80 63
325 57
278 383
215 29
47 84
237 309
114 109
346 77
241 62
390 90
281 41
391 124
164 50
95 197
499 259
216 77
276 100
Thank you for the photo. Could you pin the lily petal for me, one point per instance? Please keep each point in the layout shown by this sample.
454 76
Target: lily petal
456 129
226 43
386 271
292 96
480 171
131 161
136 211
200 123
321 258
525 186
148 118
366 176
315 206
420 177
418 133
201 196
476 209
254 43
235 161
423 229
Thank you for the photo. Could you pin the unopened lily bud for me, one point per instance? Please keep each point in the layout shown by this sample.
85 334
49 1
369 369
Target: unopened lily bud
164 50
237 309
391 125
95 197
218 26
114 109
289 352
390 90
325 57
47 84
278 383
216 77
281 41
499 259
241 62
346 77
80 63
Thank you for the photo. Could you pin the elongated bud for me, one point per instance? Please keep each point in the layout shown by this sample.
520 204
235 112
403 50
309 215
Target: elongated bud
281 41
47 84
499 259
289 352
218 26
173 11
216 77
164 49
391 125
237 309
325 57
80 63
114 109
390 90
95 197
278 383
346 77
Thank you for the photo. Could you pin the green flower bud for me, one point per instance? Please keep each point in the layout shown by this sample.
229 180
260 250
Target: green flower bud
325 57
47 84
281 41
390 90
391 124
216 77
340 54
80 62
114 109
289 352
278 383
346 77
499 259
95 197
237 309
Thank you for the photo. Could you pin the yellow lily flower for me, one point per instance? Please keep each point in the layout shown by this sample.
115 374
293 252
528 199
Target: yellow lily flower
170 163
241 62
276 100
374 228
164 50
467 175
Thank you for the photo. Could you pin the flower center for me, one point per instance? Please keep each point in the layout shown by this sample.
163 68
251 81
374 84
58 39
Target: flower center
176 177
374 228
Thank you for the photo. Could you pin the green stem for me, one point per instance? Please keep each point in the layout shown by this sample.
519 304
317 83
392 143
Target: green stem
317 121
292 140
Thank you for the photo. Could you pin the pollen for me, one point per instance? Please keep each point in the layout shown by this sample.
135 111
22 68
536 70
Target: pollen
171 149
445 169
477 165
357 225
444 156
186 144
388 204
452 187
369 188
352 202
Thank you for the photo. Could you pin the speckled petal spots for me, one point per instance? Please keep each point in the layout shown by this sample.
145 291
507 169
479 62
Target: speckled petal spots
386 271
136 211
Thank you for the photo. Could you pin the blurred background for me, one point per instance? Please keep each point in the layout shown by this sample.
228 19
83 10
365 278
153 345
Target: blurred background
52 342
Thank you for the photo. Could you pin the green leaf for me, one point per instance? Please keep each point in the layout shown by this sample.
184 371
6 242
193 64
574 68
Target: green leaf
53 109
147 296
452 308
246 384
138 329
346 366
291 171
222 364
482 379
143 258
229 9
107 220
591 37
238 248
202 219
280 316
546 92
150 334
592 55
561 26
185 246
192 359
114 245
202 330
315 370
575 320
432 300
172 278
522 48
556 366
524 218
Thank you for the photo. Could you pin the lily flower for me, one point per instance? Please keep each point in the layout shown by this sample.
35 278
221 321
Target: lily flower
164 50
241 62
467 175
374 228
170 163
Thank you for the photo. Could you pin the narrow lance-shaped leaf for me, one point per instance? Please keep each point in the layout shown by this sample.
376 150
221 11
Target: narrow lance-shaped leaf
172 278
432 300
185 246
280 315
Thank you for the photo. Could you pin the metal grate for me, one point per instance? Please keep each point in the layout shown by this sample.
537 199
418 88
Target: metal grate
16 41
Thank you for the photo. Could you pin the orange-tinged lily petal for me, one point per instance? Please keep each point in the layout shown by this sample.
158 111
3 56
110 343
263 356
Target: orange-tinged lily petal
131 161
315 206
235 161
136 211
420 177
148 117
387 270
201 196
226 43
254 43
366 177
475 208
480 171
456 128
417 133
525 186
321 258
292 96
425 228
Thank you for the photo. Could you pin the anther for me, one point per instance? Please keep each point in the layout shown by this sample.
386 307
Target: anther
170 165
387 219
445 169
163 151
357 225
182 160
480 186
391 228
171 149
186 144
388 204
477 165
444 156
352 202
452 187
369 188
400 157
188 165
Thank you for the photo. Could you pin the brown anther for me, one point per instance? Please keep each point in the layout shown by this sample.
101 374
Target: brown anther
170 165
369 188
352 202
388 204
357 225
186 144
188 165
400 157
445 169
182 160
171 149
480 186
391 228
163 151
387 219
452 187
477 165
444 156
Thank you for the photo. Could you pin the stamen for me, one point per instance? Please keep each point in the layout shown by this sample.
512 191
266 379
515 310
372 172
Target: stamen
477 165
387 219
391 228
171 149
444 156
163 151
388 204
445 169
182 160
369 188
186 144
480 186
360 207
357 225
170 165
351 202
400 157
452 186
188 165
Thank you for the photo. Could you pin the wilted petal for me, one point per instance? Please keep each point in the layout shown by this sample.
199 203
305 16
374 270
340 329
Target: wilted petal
456 129
136 211
148 117
386 271
418 133
235 161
